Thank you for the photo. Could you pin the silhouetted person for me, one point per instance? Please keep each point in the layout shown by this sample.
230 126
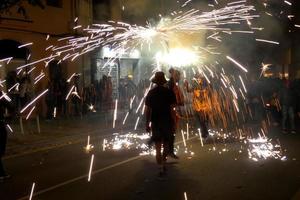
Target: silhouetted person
4 104
288 103
160 102
173 85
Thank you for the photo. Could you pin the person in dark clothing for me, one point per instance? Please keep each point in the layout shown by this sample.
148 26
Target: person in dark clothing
4 104
173 85
288 103
50 101
160 103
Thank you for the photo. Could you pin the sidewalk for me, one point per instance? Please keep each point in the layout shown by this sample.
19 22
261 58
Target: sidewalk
60 132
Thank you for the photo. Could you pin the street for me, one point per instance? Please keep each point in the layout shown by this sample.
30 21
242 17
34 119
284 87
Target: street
200 173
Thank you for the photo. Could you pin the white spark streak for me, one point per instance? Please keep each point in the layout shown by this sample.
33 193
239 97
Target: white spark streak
115 113
244 87
77 27
131 102
142 100
10 129
31 193
34 100
69 79
38 61
14 86
267 41
6 59
185 196
39 78
238 64
91 168
69 93
183 138
25 45
5 96
287 2
66 38
136 123
201 140
54 112
237 2
187 131
32 109
125 118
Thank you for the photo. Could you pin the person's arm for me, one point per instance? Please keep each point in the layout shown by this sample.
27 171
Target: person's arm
148 112
186 85
148 118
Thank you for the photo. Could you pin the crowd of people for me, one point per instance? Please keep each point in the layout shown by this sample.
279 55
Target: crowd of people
164 104
19 89
279 97
96 97
165 100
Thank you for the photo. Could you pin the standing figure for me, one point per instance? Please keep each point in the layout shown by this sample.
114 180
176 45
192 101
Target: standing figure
160 102
4 104
173 85
200 102
288 103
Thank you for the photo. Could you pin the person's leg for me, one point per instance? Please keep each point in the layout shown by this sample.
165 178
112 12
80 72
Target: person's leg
158 152
171 144
166 151
292 118
284 117
203 126
3 139
2 171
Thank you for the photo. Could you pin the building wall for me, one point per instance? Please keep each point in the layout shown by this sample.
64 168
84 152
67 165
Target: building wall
295 49
57 22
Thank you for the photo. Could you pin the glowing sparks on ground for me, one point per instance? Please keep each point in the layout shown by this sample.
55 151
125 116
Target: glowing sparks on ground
88 147
262 148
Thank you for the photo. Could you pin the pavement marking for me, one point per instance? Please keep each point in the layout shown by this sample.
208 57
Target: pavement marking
81 177
94 172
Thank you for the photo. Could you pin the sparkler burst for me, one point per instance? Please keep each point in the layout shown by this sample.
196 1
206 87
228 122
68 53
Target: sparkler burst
264 68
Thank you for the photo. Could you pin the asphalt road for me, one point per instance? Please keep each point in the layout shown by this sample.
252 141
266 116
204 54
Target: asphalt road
201 173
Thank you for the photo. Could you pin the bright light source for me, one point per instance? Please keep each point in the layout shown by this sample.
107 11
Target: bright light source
178 57
135 54
108 53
